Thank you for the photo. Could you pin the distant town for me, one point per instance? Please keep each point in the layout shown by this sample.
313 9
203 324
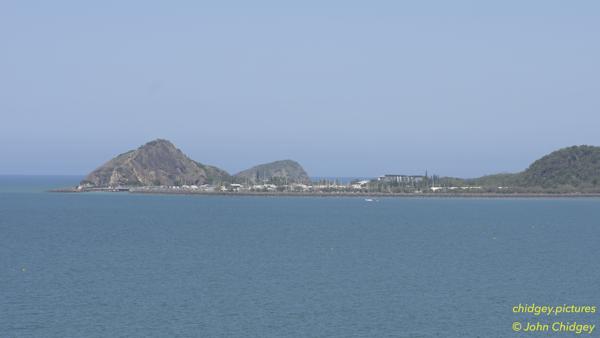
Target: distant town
159 167
390 183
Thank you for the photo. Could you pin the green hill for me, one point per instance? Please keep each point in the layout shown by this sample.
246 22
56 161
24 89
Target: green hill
285 171
576 167
572 169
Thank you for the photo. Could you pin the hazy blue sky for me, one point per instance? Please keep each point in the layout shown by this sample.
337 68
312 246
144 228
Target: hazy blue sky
347 88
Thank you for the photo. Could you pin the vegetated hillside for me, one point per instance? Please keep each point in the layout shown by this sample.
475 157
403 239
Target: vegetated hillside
496 180
215 175
285 170
572 168
155 163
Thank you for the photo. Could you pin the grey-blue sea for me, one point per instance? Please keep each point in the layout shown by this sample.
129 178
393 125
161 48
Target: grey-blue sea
126 265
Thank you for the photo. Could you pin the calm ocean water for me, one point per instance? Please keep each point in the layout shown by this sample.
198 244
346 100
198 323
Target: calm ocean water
122 265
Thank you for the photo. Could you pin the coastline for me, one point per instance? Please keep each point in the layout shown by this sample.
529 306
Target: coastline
338 194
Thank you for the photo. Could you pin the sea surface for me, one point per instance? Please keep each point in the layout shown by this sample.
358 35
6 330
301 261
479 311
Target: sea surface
126 265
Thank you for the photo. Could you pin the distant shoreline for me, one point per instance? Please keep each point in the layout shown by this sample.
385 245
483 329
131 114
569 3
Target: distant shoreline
341 194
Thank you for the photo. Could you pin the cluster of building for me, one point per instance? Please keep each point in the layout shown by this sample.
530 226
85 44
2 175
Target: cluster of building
325 186
265 187
382 184
401 179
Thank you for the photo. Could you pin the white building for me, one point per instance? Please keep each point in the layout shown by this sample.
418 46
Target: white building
401 178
